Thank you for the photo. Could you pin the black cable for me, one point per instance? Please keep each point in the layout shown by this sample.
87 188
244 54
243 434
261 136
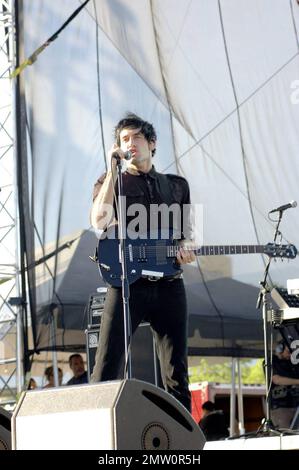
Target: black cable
99 89
240 128
294 24
165 87
31 59
21 177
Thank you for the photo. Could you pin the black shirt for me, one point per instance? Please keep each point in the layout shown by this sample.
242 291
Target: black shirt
284 396
83 379
214 426
152 189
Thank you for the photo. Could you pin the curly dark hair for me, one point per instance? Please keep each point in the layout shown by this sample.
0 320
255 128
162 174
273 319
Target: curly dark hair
132 121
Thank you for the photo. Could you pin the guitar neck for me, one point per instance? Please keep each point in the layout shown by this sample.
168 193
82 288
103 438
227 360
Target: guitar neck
210 250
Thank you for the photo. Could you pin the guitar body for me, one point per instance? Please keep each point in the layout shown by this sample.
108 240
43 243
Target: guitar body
145 257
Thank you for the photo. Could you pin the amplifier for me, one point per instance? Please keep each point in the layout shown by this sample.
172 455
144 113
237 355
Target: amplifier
95 308
145 364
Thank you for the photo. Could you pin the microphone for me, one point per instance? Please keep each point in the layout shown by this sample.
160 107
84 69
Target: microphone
127 155
284 207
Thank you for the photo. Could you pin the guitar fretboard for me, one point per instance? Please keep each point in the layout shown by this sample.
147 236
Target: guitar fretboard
161 250
210 250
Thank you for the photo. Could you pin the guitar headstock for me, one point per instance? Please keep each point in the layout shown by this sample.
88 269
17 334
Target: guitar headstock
280 251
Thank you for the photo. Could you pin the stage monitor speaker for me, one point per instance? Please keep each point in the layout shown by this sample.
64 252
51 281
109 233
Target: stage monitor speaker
5 430
124 415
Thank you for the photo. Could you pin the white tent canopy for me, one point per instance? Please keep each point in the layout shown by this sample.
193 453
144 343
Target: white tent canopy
218 81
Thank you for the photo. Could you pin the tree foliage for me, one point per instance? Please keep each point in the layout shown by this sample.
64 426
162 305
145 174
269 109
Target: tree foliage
251 372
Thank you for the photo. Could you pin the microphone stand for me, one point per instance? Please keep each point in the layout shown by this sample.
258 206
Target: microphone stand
123 261
262 300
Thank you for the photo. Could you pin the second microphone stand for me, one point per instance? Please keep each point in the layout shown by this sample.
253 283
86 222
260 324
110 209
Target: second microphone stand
262 300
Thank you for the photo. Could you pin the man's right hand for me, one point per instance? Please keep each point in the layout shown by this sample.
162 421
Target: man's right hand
115 149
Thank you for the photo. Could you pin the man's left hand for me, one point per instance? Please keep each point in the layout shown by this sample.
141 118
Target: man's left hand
185 256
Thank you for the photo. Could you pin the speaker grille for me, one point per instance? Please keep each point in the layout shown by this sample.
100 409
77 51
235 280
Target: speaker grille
155 437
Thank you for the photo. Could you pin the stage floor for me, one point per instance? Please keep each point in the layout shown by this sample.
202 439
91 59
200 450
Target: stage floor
256 443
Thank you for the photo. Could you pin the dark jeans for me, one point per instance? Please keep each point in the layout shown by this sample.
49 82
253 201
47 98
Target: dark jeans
163 305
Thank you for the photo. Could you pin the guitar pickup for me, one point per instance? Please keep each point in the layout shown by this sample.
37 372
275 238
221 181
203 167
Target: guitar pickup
152 274
130 253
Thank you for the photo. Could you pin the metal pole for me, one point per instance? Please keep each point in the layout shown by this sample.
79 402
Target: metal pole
19 363
155 362
233 399
54 352
240 400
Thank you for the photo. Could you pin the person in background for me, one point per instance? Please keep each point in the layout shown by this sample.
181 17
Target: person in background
284 392
49 373
32 384
77 366
213 423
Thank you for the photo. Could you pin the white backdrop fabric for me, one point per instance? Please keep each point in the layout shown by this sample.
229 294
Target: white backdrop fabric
218 81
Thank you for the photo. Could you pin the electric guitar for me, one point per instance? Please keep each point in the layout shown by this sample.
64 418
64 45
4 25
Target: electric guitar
156 258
